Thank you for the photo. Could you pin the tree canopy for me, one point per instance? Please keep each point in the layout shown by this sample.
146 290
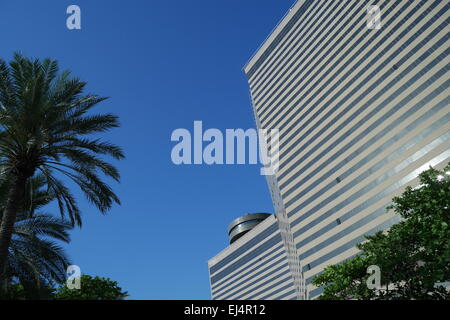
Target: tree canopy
92 288
35 259
47 127
413 255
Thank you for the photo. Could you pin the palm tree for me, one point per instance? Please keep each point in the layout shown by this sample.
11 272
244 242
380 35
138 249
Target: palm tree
35 262
45 128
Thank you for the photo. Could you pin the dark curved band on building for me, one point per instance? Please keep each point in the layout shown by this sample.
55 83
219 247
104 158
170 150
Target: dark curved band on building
244 224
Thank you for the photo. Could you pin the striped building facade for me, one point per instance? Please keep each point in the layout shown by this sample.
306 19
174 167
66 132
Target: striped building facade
361 112
254 267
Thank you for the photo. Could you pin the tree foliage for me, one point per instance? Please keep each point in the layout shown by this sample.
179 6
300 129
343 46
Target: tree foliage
47 128
35 260
413 255
92 288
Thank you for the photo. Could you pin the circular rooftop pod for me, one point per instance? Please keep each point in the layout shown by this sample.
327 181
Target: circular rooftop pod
244 224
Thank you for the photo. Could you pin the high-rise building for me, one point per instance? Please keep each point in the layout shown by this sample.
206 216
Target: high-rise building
255 265
359 93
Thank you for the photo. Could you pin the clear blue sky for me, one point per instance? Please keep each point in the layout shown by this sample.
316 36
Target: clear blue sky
164 64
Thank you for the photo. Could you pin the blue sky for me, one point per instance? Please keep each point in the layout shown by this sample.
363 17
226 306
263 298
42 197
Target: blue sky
163 64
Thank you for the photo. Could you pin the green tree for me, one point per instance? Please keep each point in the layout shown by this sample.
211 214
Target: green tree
92 288
35 261
45 128
413 255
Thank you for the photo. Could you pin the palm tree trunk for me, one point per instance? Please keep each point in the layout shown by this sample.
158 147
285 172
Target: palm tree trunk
15 196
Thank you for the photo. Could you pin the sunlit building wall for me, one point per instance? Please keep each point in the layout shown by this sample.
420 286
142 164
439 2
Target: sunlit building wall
361 111
253 267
